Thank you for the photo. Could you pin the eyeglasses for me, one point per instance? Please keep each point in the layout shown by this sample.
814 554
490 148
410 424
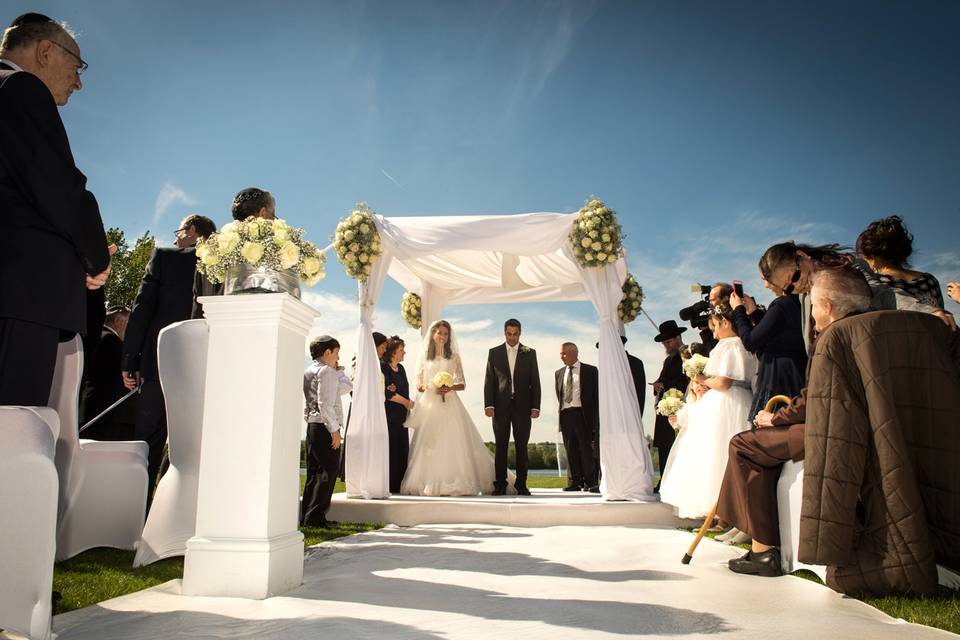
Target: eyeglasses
83 66
787 290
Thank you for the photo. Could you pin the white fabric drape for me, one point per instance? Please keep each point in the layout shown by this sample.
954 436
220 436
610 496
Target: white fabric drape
625 462
368 446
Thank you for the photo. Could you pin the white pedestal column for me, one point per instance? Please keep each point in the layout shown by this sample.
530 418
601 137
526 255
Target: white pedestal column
247 544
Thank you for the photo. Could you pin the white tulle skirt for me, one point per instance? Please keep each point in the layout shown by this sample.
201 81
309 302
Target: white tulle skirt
694 471
447 454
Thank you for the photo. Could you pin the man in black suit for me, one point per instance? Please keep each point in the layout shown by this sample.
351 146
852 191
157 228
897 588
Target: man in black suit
511 396
671 377
578 392
165 297
53 236
105 385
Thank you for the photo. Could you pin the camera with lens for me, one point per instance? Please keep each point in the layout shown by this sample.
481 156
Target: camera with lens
698 313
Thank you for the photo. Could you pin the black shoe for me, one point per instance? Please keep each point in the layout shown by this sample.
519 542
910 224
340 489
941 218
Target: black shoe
594 489
766 564
572 487
499 492
523 491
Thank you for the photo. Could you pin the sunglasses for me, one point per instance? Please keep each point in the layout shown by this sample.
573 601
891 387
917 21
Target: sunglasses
787 290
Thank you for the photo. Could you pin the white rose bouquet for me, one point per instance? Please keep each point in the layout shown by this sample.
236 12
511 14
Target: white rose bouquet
357 242
695 365
441 380
259 242
632 300
671 403
410 309
596 237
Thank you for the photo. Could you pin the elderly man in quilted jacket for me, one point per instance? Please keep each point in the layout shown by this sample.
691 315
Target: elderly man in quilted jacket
881 443
748 495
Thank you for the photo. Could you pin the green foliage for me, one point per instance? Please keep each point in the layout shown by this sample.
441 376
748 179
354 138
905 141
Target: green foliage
127 267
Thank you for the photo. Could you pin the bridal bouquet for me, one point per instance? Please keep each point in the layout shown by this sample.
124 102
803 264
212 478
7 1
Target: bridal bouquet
259 242
596 237
671 403
442 379
357 242
629 306
695 365
410 309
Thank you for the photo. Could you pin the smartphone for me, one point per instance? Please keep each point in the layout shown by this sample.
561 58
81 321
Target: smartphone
738 287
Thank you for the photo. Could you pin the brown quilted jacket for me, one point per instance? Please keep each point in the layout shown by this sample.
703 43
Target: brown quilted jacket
881 486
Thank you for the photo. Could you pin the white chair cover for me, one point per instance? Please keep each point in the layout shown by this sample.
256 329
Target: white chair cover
103 485
182 364
789 501
28 437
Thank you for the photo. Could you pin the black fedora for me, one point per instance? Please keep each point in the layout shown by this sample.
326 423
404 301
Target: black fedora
669 329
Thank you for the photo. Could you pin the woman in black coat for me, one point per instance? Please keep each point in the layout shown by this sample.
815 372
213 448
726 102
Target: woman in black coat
776 338
398 404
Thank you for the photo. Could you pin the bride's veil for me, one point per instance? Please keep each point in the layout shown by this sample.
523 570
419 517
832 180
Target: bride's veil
429 353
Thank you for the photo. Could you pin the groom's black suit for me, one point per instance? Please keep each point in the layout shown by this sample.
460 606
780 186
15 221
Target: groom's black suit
53 236
511 407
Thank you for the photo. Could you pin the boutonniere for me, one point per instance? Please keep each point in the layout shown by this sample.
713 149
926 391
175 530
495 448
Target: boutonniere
524 349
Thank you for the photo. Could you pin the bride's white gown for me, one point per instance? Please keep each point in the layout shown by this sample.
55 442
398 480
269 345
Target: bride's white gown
447 455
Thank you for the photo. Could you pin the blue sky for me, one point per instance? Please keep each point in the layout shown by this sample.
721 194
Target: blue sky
714 129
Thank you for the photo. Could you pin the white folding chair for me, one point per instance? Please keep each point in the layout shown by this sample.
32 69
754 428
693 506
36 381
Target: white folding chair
103 485
789 503
28 509
182 365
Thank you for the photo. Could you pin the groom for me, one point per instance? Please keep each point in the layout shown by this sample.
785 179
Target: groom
511 395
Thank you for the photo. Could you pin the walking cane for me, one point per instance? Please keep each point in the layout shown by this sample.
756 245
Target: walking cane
688 556
91 422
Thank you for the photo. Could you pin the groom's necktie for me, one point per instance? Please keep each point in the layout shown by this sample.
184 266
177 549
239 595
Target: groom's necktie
568 386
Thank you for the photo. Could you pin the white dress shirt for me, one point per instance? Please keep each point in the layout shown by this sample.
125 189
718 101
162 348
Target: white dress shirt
16 67
575 401
512 362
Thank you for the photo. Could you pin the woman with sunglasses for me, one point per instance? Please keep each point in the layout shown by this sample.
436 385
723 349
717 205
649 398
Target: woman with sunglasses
776 338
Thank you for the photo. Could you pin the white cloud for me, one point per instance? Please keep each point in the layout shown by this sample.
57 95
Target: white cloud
170 194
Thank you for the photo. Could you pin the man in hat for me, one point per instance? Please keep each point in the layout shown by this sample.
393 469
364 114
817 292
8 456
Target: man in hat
53 232
671 377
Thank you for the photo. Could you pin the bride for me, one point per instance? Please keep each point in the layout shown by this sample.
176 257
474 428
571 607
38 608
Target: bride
447 455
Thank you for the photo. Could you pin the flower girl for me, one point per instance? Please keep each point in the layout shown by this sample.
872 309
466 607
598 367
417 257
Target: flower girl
695 470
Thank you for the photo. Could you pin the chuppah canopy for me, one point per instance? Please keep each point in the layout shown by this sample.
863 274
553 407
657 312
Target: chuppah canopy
485 260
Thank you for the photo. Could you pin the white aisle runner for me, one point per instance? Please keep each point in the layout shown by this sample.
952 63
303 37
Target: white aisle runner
474 581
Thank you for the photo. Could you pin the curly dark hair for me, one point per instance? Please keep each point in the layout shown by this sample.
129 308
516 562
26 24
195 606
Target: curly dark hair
888 240
393 343
248 202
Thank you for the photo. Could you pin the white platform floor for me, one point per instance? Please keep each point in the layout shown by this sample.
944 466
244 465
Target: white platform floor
545 508
480 581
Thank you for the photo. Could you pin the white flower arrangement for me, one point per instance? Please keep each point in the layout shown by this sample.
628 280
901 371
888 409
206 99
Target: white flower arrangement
695 365
410 309
357 242
443 379
632 301
671 403
259 242
596 237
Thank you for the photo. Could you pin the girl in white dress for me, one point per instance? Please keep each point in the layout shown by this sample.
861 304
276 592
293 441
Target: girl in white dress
447 455
692 481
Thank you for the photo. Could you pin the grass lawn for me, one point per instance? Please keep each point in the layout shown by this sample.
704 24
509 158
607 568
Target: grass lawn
941 610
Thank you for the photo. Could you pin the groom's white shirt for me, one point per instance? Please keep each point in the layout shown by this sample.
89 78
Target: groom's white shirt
512 362
11 64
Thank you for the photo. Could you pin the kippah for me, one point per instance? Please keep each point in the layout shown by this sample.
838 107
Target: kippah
30 18
323 338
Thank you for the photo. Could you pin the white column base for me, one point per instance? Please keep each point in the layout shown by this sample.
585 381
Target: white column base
244 568
246 543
